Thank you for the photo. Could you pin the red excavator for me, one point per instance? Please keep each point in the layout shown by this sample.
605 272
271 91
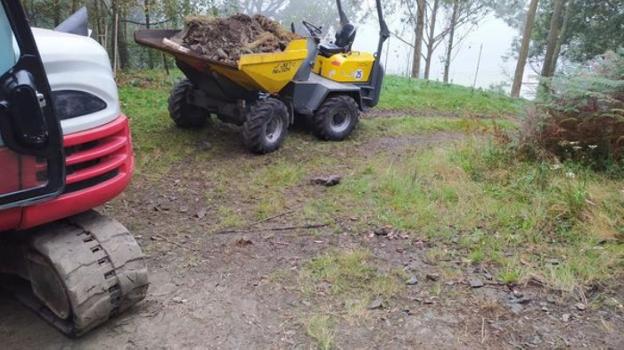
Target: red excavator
65 149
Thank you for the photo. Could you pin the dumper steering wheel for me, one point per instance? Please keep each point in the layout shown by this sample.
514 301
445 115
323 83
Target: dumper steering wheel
314 31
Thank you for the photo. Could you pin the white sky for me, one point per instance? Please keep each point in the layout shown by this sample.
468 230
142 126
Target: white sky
495 35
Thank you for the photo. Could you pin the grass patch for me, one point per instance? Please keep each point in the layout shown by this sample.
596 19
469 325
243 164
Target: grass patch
399 92
321 329
517 216
350 277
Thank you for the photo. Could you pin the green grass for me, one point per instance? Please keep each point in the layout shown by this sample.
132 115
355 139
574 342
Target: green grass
345 282
321 329
472 196
403 93
508 214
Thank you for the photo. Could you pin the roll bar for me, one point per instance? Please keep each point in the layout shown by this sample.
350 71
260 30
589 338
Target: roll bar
343 17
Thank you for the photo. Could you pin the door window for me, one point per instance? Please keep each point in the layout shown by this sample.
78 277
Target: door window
31 153
8 58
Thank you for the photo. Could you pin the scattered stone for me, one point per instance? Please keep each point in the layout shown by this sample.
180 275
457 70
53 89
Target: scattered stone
327 181
376 304
179 300
383 231
476 283
516 308
566 317
412 281
581 306
536 340
201 213
553 262
184 209
517 293
433 277
488 276
243 242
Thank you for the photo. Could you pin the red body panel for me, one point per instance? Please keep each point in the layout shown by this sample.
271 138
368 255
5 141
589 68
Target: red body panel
103 151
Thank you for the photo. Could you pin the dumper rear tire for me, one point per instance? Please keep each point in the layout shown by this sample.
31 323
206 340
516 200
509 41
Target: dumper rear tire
336 119
184 114
266 126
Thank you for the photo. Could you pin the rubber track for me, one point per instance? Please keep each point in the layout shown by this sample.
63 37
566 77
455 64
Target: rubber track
177 102
101 265
257 117
320 117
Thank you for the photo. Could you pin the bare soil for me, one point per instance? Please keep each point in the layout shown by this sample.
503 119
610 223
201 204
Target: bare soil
226 39
218 291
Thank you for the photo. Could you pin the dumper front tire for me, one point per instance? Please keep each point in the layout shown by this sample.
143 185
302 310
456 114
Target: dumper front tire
336 119
266 126
184 114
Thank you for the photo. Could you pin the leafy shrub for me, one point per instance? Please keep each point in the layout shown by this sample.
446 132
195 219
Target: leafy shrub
580 116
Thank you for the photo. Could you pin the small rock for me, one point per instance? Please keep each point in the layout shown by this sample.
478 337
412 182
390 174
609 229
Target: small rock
327 181
553 262
243 242
536 340
376 304
184 210
488 276
201 213
179 300
517 293
383 231
204 145
476 283
412 281
581 306
433 276
566 317
544 309
516 308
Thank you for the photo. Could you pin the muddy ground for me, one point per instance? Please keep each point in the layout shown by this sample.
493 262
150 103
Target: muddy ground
219 291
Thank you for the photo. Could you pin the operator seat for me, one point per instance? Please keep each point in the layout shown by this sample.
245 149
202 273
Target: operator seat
344 41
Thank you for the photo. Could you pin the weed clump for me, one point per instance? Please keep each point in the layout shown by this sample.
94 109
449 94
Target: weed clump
580 116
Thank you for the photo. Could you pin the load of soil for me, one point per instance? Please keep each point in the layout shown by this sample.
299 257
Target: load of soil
227 39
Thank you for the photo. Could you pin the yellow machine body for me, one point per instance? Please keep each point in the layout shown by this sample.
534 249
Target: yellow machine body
268 72
353 67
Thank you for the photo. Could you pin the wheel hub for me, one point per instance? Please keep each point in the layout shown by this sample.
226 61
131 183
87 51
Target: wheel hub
340 121
274 129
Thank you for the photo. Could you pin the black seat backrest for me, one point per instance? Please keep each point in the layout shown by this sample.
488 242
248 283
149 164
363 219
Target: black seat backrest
346 36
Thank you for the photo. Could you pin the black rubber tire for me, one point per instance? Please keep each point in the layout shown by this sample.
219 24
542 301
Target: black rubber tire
323 120
183 114
255 128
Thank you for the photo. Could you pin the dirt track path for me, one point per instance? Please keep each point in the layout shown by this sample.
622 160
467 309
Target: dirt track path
218 292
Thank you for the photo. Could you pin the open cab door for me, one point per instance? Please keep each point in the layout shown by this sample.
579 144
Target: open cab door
31 141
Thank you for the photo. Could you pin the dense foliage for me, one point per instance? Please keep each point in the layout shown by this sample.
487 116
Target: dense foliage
581 114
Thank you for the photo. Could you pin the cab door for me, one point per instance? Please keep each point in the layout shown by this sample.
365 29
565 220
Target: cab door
31 141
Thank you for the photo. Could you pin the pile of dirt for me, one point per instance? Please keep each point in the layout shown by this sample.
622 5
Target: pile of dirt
226 39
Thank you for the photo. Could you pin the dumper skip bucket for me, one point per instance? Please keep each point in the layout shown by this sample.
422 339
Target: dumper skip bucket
267 72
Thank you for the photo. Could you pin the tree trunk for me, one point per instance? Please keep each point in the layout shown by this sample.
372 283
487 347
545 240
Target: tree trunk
562 35
74 6
430 42
148 24
524 49
418 41
449 49
553 37
56 4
